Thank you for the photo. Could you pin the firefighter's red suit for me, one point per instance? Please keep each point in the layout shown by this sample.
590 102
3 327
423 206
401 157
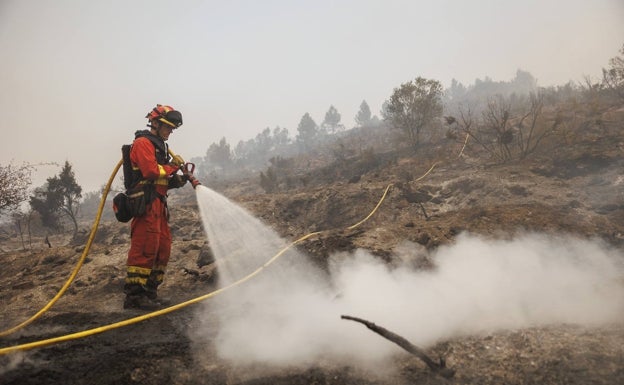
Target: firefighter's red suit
150 245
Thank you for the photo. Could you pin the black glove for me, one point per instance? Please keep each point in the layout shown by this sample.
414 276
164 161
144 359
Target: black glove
177 181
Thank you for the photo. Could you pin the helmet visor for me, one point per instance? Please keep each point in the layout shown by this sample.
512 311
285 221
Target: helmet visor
172 118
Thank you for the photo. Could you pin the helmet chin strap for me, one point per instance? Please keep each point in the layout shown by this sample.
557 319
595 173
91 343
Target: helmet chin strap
153 126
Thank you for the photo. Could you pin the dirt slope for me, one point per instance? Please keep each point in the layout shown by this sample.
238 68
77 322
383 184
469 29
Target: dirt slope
578 191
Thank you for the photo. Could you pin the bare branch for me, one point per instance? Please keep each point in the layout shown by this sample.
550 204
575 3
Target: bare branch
439 368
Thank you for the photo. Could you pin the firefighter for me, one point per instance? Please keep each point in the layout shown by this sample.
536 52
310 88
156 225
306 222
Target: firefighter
153 175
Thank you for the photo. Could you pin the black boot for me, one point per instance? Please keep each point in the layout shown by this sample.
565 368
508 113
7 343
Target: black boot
141 302
138 297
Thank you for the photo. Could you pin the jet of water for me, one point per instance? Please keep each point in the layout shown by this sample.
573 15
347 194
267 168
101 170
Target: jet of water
290 313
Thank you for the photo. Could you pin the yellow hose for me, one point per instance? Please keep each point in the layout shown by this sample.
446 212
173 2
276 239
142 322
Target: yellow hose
84 253
80 261
373 211
170 309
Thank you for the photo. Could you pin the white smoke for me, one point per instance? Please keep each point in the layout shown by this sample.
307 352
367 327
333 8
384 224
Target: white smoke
14 360
289 315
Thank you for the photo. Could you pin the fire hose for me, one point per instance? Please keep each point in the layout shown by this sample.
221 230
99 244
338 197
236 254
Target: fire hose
187 171
173 308
177 160
78 264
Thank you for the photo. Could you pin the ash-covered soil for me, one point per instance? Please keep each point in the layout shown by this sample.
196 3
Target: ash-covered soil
578 192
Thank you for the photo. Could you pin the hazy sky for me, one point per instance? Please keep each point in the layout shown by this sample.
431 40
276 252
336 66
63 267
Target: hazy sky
79 76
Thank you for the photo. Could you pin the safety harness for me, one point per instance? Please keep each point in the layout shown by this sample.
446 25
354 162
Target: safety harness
140 191
132 175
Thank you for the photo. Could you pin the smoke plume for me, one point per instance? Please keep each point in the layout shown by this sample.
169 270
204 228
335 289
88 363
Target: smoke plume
289 314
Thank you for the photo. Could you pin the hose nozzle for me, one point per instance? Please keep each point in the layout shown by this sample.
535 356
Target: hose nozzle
188 169
194 181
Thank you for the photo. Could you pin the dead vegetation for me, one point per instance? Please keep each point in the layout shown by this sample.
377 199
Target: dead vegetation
575 188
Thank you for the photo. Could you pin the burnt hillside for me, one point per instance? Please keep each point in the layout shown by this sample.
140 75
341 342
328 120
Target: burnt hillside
573 186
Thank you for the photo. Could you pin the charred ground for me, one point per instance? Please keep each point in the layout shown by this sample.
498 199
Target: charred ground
574 189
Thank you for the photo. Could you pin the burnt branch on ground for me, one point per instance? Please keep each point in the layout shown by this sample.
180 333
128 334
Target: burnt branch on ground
439 368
